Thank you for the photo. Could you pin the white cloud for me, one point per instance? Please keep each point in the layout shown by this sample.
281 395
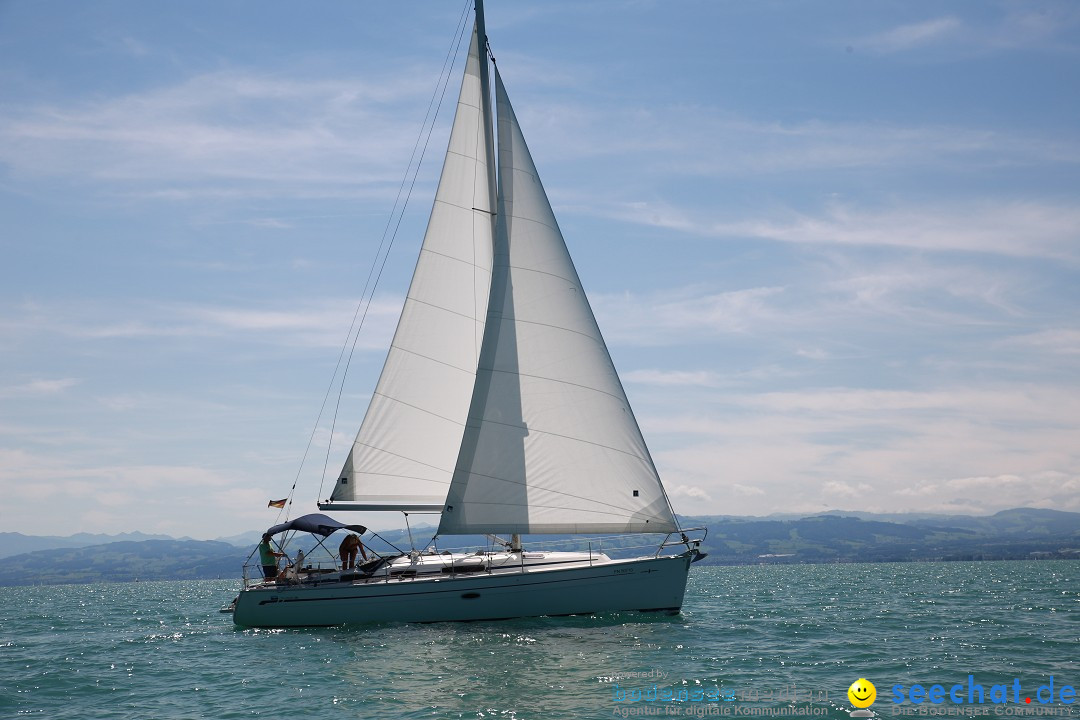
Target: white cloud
813 353
270 223
841 491
983 449
990 493
693 380
656 318
703 142
700 378
1043 27
39 387
1023 229
273 135
1062 341
835 309
912 36
318 323
119 498
692 492
134 47
1039 26
746 490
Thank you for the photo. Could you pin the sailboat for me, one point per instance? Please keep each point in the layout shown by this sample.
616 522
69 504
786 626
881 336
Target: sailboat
498 408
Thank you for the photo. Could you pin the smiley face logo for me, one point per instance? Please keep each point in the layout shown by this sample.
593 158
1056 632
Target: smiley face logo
862 693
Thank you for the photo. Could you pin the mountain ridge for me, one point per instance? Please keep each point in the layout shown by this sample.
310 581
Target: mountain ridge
836 536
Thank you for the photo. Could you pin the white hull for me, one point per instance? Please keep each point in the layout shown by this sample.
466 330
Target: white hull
591 586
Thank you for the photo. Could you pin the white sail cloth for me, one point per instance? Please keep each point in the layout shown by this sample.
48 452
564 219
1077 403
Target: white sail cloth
498 402
403 456
551 444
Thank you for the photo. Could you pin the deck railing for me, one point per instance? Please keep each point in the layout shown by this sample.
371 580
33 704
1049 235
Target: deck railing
616 547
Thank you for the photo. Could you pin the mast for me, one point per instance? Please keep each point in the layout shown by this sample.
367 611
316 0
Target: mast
488 114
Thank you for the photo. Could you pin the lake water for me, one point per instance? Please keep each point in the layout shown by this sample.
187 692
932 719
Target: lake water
773 641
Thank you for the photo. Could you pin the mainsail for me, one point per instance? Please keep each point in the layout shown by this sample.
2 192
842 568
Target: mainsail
551 445
403 456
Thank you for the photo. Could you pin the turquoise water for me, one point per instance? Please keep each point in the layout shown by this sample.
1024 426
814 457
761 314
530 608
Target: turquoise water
750 636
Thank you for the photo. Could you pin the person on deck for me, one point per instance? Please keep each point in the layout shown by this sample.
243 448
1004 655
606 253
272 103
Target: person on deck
268 558
347 551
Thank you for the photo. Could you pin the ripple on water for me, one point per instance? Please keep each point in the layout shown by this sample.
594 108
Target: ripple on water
162 650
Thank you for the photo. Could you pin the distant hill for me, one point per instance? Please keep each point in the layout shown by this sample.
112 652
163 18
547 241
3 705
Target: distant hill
857 537
13 543
1021 533
125 561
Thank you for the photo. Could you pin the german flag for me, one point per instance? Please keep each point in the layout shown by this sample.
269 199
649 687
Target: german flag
277 503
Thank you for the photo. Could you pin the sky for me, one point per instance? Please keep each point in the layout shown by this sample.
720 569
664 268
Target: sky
834 247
